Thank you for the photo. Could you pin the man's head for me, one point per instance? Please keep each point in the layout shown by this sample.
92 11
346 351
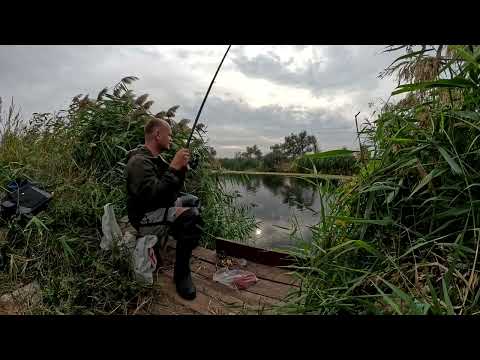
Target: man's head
158 134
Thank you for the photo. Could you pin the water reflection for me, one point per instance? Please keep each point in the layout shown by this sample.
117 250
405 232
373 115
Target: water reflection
283 205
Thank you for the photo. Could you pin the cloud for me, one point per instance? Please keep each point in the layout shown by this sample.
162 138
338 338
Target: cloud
231 124
46 78
327 69
262 94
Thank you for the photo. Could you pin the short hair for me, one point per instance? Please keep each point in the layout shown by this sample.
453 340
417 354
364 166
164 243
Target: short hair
152 124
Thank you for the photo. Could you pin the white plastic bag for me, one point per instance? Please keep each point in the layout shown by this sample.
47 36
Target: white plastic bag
140 250
145 261
235 278
110 228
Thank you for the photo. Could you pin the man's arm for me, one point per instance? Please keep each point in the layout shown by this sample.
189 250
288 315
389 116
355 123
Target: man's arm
147 186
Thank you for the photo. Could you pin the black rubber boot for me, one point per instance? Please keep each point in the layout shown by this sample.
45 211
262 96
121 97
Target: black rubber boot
182 274
187 233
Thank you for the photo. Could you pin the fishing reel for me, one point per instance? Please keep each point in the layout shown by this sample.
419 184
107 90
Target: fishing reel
194 157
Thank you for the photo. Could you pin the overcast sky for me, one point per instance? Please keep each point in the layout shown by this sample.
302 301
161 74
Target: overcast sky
261 94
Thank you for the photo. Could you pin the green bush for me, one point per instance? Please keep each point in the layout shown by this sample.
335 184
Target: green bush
335 162
240 164
404 238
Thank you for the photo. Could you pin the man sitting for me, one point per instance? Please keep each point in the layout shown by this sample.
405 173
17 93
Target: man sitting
153 203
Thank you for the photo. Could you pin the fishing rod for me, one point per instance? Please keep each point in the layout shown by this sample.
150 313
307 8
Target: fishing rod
205 98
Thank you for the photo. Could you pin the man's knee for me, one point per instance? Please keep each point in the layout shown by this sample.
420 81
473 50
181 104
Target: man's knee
188 227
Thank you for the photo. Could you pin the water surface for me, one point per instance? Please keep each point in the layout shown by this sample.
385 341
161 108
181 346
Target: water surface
282 205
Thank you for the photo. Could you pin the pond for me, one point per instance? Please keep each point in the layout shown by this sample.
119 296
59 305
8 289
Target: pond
285 207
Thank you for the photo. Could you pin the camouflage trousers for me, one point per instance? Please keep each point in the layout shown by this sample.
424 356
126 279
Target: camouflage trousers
163 222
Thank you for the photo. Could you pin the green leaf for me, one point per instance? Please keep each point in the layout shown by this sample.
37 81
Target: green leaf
453 164
66 247
443 83
434 198
462 115
391 48
366 214
389 301
396 140
402 295
384 222
459 247
380 187
452 213
408 55
122 148
340 246
418 245
394 193
363 245
329 154
467 56
436 303
473 142
472 115
35 221
446 297
398 165
433 174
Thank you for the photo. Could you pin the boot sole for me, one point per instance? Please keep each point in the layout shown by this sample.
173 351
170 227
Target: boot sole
187 296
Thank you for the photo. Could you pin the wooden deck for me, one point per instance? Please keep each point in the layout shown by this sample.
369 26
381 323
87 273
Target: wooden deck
273 286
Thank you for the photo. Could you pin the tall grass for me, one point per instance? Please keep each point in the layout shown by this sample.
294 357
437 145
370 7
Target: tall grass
79 155
223 218
59 247
404 237
334 162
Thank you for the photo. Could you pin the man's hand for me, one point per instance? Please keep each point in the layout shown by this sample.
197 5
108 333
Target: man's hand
180 159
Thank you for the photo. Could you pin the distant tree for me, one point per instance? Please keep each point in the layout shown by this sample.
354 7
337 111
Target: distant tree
252 152
273 159
256 152
277 148
297 145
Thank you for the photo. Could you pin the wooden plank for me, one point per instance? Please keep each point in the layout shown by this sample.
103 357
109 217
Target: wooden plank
160 309
212 300
235 301
213 297
273 274
203 304
251 253
206 270
277 291
264 287
163 305
261 271
264 293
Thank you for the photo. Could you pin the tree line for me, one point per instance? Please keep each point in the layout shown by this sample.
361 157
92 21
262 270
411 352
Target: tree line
296 153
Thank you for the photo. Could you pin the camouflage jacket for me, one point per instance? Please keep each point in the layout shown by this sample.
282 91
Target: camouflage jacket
151 183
